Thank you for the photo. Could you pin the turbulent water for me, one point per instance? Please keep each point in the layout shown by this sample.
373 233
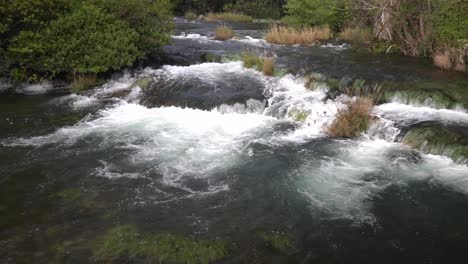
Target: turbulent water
215 151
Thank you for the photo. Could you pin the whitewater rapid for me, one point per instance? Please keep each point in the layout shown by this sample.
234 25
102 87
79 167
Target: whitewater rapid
176 146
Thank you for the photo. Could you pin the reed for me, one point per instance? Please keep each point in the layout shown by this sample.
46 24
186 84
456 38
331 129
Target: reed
291 36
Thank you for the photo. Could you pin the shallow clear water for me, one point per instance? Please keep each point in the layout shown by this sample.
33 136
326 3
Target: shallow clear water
212 151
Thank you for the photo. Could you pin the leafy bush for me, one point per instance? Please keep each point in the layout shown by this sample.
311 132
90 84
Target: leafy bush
150 19
87 40
315 13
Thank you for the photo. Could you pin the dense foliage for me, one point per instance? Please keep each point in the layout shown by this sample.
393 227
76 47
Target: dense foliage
254 8
418 27
45 38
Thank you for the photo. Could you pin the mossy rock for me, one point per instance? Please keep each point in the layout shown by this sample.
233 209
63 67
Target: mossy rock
437 140
449 95
69 195
143 83
283 242
125 241
298 115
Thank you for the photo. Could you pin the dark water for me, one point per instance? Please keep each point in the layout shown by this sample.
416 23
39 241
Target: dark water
74 167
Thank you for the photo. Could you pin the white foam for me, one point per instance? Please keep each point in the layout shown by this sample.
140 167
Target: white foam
288 95
178 143
406 114
345 185
197 37
341 47
35 89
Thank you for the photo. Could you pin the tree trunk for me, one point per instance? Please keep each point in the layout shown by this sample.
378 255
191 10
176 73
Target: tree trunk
383 28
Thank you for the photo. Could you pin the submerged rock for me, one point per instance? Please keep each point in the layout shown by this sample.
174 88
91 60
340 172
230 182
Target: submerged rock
203 87
435 139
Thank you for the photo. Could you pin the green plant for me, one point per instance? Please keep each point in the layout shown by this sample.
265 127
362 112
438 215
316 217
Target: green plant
85 41
315 13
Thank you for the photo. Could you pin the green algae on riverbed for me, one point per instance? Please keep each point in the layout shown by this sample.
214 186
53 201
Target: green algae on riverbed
125 241
283 242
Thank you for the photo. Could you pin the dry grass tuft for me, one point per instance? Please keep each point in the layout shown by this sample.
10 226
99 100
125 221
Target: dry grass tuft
252 61
227 16
451 58
83 82
268 66
190 15
357 35
442 60
291 36
353 120
223 33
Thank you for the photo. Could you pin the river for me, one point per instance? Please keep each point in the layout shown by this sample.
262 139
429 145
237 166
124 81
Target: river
211 151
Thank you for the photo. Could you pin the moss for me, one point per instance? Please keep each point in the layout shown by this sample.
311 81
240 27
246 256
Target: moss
298 115
143 83
448 95
439 141
164 248
68 195
285 243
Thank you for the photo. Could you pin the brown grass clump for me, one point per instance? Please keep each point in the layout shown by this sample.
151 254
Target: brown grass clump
442 60
353 120
291 36
227 16
450 58
268 67
83 82
357 35
190 15
264 65
223 33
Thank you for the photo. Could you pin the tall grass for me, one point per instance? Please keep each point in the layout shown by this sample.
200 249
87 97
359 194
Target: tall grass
227 16
223 33
357 35
353 120
264 65
290 36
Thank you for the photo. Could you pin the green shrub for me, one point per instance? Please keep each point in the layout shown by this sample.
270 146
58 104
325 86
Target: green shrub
150 19
84 41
